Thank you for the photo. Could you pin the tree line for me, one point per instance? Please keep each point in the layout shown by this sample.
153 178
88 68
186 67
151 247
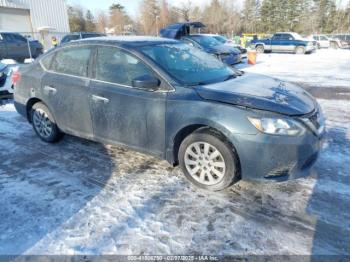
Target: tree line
227 17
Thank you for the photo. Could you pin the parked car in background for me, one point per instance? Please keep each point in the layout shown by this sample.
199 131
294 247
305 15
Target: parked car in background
15 46
6 87
284 42
80 35
229 42
181 31
343 40
323 41
174 101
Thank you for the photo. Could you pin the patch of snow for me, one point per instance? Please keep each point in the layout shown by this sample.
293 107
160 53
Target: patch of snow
326 67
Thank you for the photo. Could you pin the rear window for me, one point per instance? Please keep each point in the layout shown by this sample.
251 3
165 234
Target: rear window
69 38
72 61
91 35
18 37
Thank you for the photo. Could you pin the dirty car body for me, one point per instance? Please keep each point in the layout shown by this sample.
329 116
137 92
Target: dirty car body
168 91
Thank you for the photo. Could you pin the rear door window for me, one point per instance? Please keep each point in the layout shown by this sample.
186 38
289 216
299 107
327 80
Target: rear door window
8 37
19 38
72 61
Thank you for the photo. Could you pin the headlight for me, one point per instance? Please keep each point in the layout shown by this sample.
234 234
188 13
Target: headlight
277 126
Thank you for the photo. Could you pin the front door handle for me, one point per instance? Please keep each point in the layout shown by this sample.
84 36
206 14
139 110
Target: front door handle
96 98
50 89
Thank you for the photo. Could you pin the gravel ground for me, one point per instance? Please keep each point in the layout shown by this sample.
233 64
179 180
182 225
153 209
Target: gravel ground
80 197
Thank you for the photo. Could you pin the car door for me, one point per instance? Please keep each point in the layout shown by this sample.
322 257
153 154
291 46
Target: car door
324 42
287 43
276 43
22 44
12 46
122 114
65 89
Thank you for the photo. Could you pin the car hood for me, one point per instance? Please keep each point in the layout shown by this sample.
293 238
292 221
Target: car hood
222 49
262 93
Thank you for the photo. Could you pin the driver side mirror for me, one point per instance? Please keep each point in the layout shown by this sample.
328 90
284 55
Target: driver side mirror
146 82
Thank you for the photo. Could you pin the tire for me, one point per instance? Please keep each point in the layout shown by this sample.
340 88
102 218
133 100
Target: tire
260 49
318 46
20 60
300 50
44 124
216 174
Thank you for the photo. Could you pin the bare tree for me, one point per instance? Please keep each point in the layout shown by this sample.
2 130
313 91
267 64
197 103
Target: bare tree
102 22
149 17
164 14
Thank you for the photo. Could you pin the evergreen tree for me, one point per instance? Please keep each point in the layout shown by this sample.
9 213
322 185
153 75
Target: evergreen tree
90 25
76 19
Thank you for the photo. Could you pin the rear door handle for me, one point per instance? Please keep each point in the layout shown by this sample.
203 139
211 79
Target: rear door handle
96 98
50 89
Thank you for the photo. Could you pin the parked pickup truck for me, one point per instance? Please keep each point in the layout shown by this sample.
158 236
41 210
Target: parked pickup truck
284 42
15 46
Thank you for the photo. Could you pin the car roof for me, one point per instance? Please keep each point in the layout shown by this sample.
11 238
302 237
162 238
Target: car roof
126 41
78 33
196 35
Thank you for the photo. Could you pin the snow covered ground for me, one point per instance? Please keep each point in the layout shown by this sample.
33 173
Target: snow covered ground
80 197
326 67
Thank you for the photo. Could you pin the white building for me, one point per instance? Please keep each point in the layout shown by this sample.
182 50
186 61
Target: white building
36 18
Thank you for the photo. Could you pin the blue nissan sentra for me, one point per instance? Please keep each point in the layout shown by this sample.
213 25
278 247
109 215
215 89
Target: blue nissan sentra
168 99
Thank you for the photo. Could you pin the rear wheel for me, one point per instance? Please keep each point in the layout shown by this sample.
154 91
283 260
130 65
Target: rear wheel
208 161
20 60
260 49
44 124
300 50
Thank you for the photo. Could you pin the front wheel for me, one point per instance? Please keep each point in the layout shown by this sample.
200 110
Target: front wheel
208 161
260 49
44 124
300 50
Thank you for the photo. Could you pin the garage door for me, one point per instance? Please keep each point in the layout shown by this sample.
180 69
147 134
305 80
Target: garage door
15 20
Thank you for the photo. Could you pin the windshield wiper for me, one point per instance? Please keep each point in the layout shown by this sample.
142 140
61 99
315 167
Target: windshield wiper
230 77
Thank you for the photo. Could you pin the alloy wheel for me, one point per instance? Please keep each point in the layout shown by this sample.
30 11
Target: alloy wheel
42 123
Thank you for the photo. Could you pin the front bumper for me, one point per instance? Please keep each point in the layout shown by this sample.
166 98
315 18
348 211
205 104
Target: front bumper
280 158
310 48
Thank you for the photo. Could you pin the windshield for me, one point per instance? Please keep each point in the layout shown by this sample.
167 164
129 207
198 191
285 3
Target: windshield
297 36
188 65
205 41
221 39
